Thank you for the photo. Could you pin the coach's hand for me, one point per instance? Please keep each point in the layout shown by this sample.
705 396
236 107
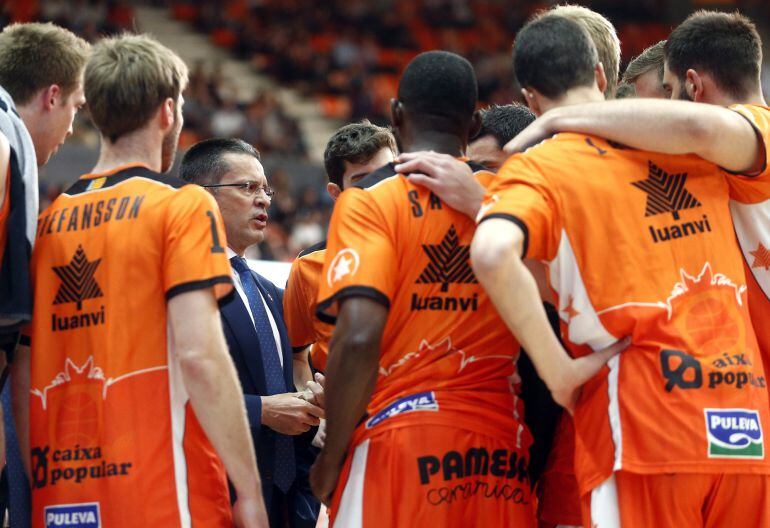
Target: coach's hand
567 391
315 391
447 177
324 475
289 414
250 513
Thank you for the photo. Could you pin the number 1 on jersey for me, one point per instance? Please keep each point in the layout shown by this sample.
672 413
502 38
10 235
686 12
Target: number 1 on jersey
216 248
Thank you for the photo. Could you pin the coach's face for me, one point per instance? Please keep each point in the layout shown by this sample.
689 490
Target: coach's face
244 208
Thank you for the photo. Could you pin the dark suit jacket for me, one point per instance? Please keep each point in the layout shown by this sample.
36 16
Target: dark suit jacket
244 348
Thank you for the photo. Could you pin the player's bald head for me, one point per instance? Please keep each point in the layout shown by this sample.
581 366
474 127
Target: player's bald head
441 88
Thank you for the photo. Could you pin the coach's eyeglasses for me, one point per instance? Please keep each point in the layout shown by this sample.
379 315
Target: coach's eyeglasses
249 188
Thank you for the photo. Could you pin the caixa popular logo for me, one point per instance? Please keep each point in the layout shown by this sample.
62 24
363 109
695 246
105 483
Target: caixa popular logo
85 515
734 433
422 401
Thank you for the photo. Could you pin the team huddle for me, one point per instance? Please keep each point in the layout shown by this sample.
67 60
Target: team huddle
482 271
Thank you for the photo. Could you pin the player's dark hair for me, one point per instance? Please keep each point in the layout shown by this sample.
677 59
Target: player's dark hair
727 46
355 143
553 54
204 162
504 122
439 90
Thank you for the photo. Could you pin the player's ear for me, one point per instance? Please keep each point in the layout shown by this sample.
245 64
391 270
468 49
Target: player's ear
49 96
396 113
693 84
473 131
334 190
532 101
167 113
601 77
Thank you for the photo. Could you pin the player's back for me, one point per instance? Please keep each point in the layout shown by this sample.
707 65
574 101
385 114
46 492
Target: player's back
642 244
444 348
112 431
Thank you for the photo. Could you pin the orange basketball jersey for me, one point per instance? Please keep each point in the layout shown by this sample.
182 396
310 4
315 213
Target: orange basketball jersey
750 207
114 441
642 245
446 358
299 301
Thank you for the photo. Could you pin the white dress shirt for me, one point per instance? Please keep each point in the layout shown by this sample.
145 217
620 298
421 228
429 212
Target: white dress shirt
239 289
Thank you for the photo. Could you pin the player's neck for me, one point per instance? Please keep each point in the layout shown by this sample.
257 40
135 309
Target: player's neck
579 95
140 147
441 142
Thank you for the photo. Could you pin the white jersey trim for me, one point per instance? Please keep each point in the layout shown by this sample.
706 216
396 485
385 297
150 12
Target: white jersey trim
179 397
605 512
351 513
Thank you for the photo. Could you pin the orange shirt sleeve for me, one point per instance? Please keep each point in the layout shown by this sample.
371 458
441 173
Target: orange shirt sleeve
522 194
359 253
298 306
194 254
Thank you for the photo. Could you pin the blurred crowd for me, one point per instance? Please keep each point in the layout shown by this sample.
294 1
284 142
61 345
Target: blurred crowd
346 54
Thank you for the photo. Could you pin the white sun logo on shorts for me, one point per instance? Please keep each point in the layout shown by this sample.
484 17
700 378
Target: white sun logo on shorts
345 263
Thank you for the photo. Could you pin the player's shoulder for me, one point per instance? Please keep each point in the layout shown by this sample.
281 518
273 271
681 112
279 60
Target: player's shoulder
315 251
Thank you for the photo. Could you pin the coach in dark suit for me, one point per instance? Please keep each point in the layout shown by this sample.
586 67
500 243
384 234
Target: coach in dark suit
282 420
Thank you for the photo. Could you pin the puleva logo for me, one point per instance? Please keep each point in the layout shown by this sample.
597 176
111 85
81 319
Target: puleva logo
734 433
345 263
422 401
449 262
666 193
77 280
85 515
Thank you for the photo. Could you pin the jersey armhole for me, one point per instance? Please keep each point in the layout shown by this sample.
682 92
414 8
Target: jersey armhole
200 285
324 312
762 146
519 222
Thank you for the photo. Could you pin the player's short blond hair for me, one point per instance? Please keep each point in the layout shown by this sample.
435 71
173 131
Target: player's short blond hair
605 38
127 79
35 56
651 58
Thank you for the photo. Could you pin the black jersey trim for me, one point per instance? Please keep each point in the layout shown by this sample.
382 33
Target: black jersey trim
116 178
197 285
349 291
519 222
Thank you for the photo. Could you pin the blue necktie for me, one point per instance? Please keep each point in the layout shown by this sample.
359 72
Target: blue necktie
285 468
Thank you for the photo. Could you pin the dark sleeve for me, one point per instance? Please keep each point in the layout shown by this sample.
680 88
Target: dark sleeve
254 413
542 413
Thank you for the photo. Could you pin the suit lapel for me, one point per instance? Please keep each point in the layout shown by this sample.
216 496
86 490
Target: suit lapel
237 318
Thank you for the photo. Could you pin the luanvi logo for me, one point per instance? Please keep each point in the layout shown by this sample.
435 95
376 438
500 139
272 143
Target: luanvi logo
761 257
666 193
77 285
449 263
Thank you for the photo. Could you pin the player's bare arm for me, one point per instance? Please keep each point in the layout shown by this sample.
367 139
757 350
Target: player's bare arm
216 396
20 387
714 133
495 256
353 359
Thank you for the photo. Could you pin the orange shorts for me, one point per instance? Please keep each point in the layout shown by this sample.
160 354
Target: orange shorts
675 500
433 476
